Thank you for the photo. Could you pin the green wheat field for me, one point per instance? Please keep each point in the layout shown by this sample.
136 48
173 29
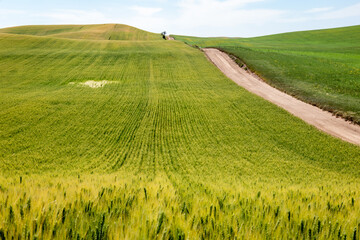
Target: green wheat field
166 148
321 67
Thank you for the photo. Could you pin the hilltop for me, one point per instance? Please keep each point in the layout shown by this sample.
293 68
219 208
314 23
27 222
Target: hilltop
90 32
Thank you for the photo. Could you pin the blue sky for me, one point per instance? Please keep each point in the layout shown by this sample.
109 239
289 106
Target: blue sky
233 18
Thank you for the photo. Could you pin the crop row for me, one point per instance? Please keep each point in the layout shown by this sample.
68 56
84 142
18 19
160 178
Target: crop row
98 207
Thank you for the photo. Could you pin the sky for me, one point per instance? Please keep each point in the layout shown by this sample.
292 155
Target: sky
205 18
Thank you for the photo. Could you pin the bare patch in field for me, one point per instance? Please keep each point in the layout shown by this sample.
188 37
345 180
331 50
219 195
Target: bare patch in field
93 84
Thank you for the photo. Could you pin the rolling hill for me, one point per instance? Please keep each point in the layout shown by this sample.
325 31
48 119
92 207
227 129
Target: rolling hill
321 67
94 32
148 140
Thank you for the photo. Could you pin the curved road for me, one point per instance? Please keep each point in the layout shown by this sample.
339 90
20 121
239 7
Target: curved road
322 120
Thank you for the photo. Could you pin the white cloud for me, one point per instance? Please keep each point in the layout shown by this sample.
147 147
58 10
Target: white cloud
321 14
153 24
210 4
145 11
10 11
317 10
351 11
221 15
72 16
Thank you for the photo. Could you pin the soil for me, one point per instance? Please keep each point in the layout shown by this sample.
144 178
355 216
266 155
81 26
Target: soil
93 84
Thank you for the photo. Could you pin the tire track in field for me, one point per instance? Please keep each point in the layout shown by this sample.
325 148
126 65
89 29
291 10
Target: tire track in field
314 116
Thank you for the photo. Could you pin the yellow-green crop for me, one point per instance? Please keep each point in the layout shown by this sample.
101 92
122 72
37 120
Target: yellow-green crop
168 148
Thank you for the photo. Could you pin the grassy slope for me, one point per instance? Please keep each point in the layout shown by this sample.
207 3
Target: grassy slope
172 148
321 67
95 32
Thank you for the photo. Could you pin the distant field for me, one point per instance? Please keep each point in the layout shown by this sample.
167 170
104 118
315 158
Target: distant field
168 148
90 32
320 67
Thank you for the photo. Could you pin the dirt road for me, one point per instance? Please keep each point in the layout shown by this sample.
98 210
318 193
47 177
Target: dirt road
322 120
